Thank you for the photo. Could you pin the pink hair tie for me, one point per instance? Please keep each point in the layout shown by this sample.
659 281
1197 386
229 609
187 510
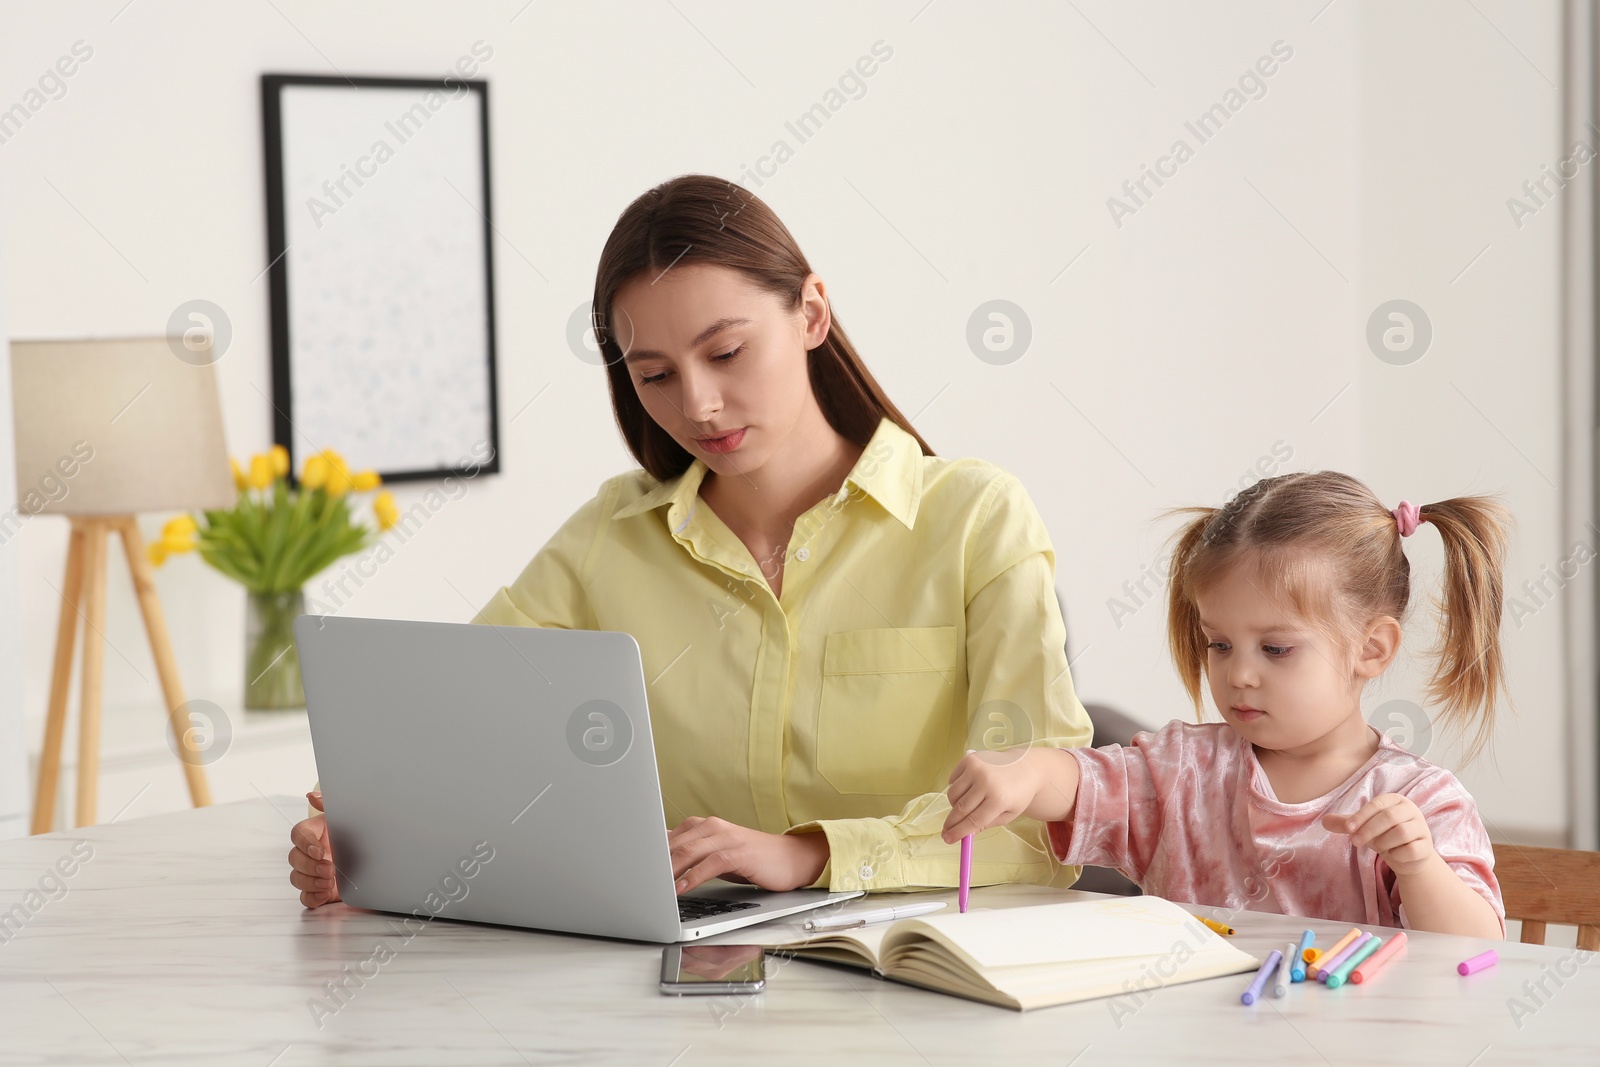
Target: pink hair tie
1408 517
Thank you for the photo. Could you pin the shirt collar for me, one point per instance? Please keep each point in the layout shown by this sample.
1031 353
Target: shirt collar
889 471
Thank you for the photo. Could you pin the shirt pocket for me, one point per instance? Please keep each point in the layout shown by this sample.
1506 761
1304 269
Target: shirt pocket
883 724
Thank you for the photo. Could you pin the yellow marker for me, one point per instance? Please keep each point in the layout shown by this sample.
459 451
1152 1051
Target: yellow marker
1311 955
1226 931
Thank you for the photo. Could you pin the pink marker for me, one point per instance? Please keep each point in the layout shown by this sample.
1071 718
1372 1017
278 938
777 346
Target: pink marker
1374 963
966 872
1479 962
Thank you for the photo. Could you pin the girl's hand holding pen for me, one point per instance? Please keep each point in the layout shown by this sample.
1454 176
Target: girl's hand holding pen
993 788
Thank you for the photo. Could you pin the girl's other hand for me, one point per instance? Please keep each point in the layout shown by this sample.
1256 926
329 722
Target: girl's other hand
1393 827
311 859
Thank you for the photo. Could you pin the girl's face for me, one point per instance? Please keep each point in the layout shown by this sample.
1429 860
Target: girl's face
1276 678
720 364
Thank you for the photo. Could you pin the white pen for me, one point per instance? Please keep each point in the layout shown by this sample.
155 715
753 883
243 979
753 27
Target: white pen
1281 986
878 915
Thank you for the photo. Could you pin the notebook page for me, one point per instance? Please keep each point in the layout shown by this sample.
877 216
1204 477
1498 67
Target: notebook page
1073 932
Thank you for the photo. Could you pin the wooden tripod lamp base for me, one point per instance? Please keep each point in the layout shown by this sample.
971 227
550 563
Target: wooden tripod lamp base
84 596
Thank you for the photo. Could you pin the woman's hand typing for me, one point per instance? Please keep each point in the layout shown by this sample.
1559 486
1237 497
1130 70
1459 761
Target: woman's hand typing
706 848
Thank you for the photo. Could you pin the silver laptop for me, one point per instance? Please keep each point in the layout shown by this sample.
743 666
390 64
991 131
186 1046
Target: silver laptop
503 775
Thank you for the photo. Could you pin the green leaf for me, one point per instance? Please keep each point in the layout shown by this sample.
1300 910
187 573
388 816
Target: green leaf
280 544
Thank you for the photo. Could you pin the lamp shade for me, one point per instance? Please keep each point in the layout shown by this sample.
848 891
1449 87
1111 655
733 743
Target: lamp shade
110 426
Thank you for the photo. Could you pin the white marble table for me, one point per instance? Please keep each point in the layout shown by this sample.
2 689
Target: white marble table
180 941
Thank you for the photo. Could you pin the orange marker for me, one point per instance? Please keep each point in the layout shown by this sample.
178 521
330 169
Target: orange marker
1374 963
1222 928
1333 950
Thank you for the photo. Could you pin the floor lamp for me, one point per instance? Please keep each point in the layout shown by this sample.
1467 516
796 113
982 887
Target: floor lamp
106 429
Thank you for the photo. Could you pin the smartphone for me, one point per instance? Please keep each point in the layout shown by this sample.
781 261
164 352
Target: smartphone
713 969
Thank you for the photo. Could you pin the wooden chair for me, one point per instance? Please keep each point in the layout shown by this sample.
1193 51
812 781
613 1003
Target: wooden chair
1550 885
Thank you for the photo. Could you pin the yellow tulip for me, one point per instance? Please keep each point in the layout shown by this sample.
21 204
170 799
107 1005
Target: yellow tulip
157 552
240 481
383 507
316 473
338 481
260 471
181 526
174 542
365 481
336 460
280 461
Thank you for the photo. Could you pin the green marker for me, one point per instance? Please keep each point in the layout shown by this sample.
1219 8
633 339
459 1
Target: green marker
1342 974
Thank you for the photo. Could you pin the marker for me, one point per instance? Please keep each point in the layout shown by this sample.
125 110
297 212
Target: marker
1478 962
1280 987
1337 947
1251 995
876 915
1324 970
966 866
966 872
1222 928
1297 973
1375 962
1342 973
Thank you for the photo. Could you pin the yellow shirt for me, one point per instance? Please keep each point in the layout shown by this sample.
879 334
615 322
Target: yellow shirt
918 620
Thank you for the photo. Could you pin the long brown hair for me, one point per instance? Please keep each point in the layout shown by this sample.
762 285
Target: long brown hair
697 218
1327 545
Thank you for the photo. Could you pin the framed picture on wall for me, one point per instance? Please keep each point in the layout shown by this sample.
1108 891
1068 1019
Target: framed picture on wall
381 272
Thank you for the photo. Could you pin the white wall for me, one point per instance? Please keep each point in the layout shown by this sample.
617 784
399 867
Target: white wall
1217 321
14 785
1449 132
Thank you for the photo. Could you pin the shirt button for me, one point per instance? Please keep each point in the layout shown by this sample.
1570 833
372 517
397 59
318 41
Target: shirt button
865 872
803 555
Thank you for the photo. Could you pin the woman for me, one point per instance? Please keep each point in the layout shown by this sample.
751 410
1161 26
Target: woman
829 615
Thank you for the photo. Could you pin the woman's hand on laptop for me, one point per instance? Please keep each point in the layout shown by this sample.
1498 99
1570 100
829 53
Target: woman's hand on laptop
311 859
703 849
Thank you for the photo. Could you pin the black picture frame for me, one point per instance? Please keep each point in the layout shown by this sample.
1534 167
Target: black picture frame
280 262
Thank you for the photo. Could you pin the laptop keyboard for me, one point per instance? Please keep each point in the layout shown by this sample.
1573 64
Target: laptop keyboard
694 909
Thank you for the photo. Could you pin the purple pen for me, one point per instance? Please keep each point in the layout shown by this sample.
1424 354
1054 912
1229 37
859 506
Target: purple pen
1251 995
1325 969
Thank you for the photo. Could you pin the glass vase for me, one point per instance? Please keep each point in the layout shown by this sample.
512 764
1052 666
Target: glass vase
271 664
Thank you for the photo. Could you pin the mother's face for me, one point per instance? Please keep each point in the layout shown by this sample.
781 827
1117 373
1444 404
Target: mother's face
718 363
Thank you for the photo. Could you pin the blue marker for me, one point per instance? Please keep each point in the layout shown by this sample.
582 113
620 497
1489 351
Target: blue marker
1297 973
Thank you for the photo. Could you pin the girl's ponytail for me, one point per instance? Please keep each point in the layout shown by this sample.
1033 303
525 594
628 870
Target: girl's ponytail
1469 672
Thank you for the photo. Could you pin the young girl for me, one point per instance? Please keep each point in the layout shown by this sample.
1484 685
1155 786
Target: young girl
1288 600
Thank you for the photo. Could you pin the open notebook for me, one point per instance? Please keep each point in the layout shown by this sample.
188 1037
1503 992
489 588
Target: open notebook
1034 957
